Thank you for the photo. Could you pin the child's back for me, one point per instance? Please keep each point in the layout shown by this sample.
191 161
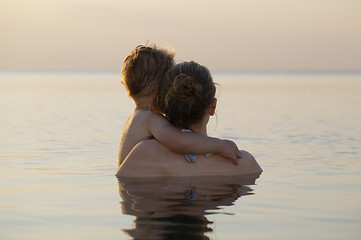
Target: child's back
132 132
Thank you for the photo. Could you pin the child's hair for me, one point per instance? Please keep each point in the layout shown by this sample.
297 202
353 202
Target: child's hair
185 94
144 69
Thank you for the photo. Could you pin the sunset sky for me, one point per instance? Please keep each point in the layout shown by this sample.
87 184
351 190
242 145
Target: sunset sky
236 35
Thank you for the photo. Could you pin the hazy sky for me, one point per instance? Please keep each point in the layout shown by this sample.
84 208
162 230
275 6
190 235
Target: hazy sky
244 35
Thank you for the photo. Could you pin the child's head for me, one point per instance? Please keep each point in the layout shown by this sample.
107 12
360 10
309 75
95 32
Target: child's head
186 93
144 69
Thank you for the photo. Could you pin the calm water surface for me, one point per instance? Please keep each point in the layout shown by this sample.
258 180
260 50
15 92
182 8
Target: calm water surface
59 135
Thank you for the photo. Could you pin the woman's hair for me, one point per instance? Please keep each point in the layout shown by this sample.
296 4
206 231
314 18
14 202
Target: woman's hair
185 94
144 69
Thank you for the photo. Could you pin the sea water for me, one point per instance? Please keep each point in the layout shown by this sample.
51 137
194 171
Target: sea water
59 136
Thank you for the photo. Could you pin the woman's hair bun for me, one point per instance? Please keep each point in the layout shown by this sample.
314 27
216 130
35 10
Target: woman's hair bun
185 93
184 86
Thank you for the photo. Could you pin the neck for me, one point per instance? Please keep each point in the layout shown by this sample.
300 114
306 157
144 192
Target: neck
144 103
200 127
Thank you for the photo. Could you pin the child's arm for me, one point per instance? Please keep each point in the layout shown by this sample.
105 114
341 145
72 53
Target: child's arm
187 142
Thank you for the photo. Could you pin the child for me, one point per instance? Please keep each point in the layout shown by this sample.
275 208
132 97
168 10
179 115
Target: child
142 73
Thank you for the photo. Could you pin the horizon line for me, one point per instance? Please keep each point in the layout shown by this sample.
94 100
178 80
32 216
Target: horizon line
109 71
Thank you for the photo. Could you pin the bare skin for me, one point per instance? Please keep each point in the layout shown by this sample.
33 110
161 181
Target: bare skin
149 158
143 124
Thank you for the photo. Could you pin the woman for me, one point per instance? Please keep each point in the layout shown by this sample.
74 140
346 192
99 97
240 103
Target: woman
187 98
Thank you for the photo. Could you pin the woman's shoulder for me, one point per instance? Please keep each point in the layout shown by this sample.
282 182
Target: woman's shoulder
148 158
249 163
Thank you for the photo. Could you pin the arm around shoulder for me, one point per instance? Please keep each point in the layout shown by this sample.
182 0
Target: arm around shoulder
182 142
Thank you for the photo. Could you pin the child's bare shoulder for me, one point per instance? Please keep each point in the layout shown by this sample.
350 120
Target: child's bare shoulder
143 113
147 116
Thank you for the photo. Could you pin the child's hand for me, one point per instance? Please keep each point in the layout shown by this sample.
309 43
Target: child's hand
231 151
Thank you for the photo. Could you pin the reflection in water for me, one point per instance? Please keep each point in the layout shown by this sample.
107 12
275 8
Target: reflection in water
175 208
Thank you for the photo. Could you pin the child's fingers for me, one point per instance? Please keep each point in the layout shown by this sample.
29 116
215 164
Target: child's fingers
235 162
238 153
